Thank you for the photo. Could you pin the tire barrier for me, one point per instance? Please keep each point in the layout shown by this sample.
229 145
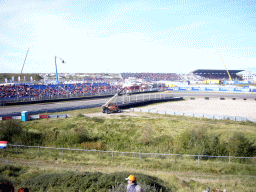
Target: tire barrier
34 117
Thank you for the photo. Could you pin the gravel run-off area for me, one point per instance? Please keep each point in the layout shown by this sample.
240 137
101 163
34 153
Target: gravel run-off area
229 107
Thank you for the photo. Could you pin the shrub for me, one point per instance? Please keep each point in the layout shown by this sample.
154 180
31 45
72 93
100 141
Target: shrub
10 170
6 184
240 146
9 130
91 182
30 138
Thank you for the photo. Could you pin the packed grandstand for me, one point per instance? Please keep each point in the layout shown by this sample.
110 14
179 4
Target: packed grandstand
152 76
98 84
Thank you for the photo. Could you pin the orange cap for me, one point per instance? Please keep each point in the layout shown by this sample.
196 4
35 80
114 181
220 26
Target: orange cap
131 178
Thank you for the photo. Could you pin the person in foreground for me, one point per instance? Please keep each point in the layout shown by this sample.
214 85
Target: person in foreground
132 185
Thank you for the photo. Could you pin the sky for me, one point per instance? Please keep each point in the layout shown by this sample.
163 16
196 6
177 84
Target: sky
116 36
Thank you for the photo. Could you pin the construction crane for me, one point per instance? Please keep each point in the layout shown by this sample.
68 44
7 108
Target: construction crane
222 61
110 107
25 59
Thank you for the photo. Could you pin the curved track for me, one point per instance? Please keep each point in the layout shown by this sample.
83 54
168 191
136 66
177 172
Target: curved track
90 103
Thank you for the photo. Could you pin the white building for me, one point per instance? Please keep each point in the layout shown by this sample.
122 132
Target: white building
248 76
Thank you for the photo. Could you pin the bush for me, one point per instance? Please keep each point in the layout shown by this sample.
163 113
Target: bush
10 170
91 182
10 130
6 184
30 138
200 142
240 146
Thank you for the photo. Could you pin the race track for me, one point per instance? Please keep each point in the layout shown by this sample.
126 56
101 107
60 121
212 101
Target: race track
81 104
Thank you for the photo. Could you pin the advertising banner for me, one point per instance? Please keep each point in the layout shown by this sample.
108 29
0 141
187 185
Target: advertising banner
243 90
209 89
196 89
182 89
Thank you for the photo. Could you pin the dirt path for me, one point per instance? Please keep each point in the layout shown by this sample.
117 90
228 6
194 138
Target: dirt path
124 113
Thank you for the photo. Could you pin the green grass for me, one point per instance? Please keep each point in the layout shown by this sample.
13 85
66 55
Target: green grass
146 133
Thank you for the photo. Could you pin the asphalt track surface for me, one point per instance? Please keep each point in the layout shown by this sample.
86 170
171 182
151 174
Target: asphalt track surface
90 103
68 105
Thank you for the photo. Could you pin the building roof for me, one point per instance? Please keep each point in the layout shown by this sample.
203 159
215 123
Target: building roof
215 71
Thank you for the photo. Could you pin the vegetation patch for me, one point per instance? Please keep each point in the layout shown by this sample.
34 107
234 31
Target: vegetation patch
87 181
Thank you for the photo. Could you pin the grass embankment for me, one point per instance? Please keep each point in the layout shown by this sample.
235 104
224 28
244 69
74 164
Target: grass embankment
149 133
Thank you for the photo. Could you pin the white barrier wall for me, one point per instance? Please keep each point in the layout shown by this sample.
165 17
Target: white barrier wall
208 116
211 89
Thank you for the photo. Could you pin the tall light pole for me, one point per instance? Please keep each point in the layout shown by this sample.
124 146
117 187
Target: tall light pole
57 77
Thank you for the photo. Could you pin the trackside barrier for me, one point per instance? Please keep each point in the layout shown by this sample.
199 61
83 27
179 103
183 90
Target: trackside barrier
133 154
32 117
208 116
53 116
211 89
44 116
62 116
6 118
16 117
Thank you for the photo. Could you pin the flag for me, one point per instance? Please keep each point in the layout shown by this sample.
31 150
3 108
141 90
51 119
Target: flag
12 78
5 80
3 144
18 78
31 78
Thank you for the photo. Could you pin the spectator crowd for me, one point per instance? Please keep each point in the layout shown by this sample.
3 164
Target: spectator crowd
22 91
152 76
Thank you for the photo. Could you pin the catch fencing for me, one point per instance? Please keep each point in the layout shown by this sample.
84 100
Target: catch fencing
167 157
52 97
142 98
208 116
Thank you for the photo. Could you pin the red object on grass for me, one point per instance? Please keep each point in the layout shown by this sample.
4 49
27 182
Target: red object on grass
44 116
6 118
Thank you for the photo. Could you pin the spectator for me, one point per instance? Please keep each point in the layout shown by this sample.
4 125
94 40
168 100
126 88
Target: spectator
132 185
23 189
207 189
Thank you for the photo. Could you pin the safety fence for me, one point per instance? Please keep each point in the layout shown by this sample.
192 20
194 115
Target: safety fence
208 116
33 117
86 154
31 98
52 97
137 98
213 89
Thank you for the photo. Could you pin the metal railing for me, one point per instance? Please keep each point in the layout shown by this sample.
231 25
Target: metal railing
138 155
208 116
32 97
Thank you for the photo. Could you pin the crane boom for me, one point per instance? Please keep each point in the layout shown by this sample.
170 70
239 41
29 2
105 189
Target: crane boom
223 61
112 98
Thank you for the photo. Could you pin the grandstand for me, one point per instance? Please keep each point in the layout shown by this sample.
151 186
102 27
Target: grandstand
217 74
152 76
